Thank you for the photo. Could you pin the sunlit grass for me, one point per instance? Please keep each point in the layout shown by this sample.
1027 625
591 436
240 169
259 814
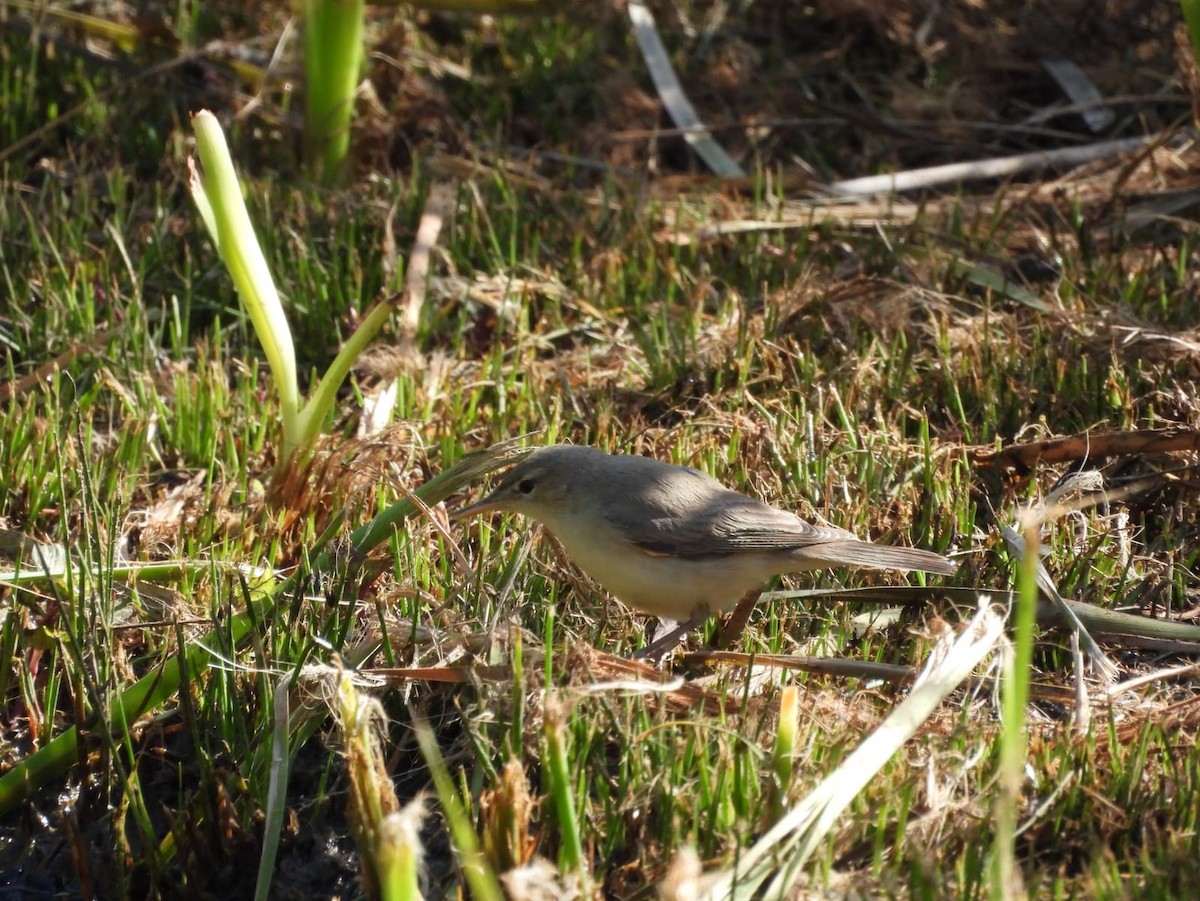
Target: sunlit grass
841 371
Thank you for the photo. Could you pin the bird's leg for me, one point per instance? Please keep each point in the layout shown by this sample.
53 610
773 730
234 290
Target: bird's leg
731 630
658 648
656 627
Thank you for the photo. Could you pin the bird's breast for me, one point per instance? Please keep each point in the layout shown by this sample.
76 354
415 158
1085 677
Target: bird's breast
660 585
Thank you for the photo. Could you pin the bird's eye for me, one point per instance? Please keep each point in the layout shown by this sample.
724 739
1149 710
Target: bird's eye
525 486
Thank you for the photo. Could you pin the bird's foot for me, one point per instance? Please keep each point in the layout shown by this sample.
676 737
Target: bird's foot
665 641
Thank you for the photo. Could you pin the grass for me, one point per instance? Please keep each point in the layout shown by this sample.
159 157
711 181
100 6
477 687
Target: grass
845 371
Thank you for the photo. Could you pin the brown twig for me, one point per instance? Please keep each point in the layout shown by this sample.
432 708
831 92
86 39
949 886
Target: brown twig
1089 446
897 674
416 276
43 373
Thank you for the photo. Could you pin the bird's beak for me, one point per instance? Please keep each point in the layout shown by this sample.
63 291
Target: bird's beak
489 504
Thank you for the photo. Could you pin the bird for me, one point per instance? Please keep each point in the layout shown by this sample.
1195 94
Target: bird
671 541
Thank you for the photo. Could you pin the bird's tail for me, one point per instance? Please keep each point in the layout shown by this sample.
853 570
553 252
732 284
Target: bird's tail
878 556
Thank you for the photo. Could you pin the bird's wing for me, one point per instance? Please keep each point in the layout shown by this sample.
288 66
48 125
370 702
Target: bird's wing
730 523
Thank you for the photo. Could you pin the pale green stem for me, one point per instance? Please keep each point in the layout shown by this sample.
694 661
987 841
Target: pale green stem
333 51
314 412
217 185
